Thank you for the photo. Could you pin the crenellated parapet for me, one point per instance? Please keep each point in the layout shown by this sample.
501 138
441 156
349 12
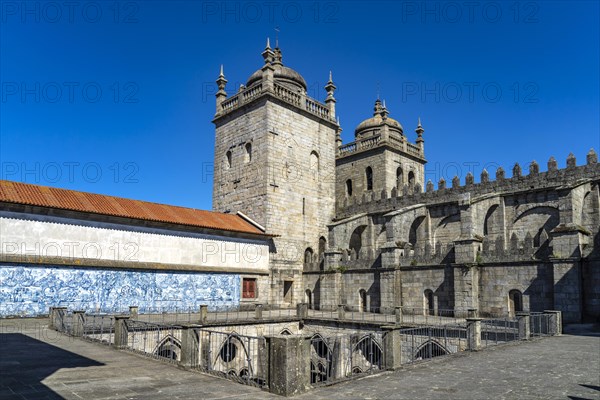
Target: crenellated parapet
553 178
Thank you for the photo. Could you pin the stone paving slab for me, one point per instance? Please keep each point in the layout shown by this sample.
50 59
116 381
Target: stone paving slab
36 363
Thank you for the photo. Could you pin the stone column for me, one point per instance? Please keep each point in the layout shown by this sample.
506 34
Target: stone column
190 347
555 322
258 310
59 318
392 347
78 321
341 311
289 364
121 332
472 313
398 313
203 313
466 287
133 312
524 322
473 334
51 318
302 310
341 349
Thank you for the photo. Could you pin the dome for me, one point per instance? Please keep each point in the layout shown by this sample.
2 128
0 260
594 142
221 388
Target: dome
281 73
378 120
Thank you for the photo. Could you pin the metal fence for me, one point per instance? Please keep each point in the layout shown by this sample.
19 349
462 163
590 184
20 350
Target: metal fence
499 330
540 324
154 340
424 343
240 358
99 328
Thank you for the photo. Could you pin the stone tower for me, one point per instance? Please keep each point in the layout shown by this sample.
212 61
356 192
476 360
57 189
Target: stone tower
381 158
275 153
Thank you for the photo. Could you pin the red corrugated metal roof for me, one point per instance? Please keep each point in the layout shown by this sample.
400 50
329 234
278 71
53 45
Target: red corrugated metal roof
43 196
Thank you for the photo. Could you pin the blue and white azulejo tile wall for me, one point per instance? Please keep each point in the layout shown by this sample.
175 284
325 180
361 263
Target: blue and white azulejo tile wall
30 290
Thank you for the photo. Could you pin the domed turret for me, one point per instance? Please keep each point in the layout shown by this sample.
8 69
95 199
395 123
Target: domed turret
379 119
281 74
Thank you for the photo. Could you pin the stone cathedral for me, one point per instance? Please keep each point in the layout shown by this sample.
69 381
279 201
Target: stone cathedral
356 223
301 217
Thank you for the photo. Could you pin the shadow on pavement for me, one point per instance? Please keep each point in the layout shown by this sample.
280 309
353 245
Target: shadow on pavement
582 329
25 362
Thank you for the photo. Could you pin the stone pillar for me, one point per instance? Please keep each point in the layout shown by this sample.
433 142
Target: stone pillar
302 310
567 292
398 313
331 283
472 313
51 318
121 332
133 312
59 318
78 322
341 311
258 310
473 334
289 364
466 287
392 347
190 347
555 322
341 350
203 313
524 322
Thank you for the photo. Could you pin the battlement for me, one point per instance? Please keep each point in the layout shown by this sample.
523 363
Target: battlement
371 202
360 145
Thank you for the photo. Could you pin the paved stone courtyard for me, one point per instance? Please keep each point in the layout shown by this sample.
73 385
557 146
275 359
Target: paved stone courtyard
36 363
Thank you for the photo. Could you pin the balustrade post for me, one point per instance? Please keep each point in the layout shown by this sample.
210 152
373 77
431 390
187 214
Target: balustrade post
203 313
392 347
59 318
473 334
190 346
133 312
399 316
524 322
289 364
302 310
121 331
51 318
258 311
78 323
555 322
341 311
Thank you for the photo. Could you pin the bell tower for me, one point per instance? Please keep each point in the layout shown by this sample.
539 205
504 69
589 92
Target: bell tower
275 151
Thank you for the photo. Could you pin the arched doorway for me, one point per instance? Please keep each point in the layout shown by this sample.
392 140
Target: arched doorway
428 302
515 302
362 300
308 298
322 247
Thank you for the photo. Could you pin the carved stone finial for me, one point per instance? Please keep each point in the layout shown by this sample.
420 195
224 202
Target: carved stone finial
441 184
592 157
500 174
429 187
516 171
455 181
571 161
552 165
534 168
469 179
485 176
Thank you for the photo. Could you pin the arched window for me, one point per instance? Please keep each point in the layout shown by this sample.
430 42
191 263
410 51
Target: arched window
429 302
308 258
322 247
308 298
369 178
248 157
362 300
228 160
515 302
314 165
399 178
411 178
349 187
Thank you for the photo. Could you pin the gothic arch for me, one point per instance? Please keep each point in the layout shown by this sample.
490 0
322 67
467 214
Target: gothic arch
430 349
169 347
357 240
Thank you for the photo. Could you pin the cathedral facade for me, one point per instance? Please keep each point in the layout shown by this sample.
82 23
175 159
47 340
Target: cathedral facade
356 224
300 217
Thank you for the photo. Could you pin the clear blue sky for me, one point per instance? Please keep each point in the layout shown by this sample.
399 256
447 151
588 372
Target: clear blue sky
120 100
